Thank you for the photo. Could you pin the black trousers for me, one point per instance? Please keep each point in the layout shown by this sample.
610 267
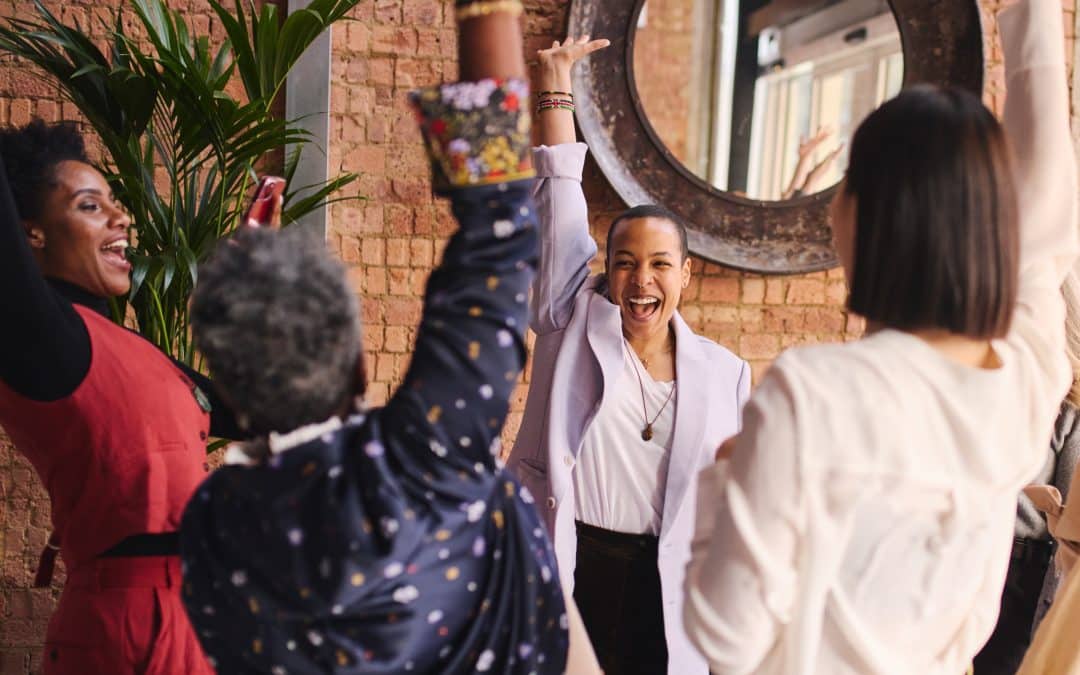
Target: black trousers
617 590
1002 654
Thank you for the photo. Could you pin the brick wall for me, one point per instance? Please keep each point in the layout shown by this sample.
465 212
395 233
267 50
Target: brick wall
663 69
391 241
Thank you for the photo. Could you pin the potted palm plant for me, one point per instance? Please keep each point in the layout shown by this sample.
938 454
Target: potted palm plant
180 151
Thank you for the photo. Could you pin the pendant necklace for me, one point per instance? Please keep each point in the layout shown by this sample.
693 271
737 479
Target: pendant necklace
647 431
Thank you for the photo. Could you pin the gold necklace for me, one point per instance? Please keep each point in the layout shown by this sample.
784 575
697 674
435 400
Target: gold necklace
668 348
647 431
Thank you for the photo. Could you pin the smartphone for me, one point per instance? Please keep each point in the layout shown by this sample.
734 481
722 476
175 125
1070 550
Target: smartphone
262 206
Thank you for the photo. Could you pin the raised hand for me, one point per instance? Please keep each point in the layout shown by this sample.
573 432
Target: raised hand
557 60
556 125
807 175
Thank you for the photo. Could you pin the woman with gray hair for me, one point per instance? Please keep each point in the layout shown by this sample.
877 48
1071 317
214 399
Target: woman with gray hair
385 540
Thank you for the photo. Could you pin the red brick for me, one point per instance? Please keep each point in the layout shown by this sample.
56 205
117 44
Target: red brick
805 292
774 291
388 11
350 250
759 346
397 252
381 71
422 13
402 311
366 158
753 291
422 252
393 40
357 37
375 281
399 281
20 112
397 339
836 293
398 219
823 320
373 251
384 369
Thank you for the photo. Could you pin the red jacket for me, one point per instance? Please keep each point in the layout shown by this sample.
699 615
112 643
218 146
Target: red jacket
120 455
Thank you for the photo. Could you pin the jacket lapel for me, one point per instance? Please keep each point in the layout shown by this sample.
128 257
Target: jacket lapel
692 407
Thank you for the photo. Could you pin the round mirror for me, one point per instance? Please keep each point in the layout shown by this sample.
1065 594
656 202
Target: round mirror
942 43
760 98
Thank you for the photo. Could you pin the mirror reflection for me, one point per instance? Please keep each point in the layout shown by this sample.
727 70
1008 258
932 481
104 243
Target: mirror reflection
761 97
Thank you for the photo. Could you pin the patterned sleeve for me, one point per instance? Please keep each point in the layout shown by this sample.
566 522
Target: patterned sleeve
470 349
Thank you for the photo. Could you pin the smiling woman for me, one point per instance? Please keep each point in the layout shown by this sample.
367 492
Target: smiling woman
608 442
86 230
117 489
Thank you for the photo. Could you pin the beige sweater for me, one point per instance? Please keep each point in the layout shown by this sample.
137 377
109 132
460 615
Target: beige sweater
864 523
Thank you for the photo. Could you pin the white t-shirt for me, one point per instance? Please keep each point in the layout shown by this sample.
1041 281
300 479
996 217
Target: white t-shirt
620 478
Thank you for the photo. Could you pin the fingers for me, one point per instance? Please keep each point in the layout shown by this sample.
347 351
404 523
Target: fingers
596 45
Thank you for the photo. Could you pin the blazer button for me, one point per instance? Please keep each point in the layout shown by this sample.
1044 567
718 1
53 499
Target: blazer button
202 435
551 502
568 460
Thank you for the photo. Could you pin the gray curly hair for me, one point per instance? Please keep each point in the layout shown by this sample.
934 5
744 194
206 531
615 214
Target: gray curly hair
277 322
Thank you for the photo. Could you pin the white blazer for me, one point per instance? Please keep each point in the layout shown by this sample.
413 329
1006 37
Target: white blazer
578 351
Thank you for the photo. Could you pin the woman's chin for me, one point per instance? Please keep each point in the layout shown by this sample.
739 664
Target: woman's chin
643 327
116 289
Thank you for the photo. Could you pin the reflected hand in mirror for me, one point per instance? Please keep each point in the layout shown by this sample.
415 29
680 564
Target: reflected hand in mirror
555 100
732 89
808 176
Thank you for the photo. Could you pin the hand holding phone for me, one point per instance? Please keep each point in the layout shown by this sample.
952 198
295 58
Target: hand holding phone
265 208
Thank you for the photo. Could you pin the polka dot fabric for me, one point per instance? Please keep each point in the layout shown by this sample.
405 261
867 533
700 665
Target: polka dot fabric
396 543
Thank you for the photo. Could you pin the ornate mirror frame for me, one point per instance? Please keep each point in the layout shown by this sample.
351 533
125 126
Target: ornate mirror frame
942 44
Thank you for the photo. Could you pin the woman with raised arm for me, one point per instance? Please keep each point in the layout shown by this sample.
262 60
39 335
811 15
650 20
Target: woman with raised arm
345 540
626 403
115 429
864 521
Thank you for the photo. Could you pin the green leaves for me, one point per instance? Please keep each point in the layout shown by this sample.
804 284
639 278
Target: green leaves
181 151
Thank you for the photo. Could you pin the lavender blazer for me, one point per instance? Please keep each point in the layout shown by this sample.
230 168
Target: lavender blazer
578 354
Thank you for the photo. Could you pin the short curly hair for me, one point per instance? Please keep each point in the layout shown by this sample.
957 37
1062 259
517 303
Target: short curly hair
277 322
30 155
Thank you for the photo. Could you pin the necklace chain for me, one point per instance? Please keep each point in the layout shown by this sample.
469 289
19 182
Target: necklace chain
647 431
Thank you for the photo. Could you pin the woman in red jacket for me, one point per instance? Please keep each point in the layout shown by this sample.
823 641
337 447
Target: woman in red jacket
115 429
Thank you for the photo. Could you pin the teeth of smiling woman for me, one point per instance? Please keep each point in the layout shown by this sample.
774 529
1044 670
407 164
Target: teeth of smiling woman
643 301
118 246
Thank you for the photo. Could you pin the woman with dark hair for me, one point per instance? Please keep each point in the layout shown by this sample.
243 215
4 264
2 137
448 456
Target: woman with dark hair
115 429
626 404
864 520
345 540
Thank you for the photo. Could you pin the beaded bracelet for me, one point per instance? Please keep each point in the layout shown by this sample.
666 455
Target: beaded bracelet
554 105
474 10
555 93
545 101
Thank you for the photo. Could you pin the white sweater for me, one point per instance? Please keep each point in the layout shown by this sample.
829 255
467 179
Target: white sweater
864 523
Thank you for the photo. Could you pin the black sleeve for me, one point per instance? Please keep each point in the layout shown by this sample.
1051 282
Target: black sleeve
222 418
44 346
471 345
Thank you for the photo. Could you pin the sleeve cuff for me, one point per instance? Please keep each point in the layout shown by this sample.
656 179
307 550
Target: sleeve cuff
476 133
566 160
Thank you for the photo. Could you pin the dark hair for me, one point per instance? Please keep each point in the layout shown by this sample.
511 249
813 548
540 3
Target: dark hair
30 155
650 211
277 322
936 239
